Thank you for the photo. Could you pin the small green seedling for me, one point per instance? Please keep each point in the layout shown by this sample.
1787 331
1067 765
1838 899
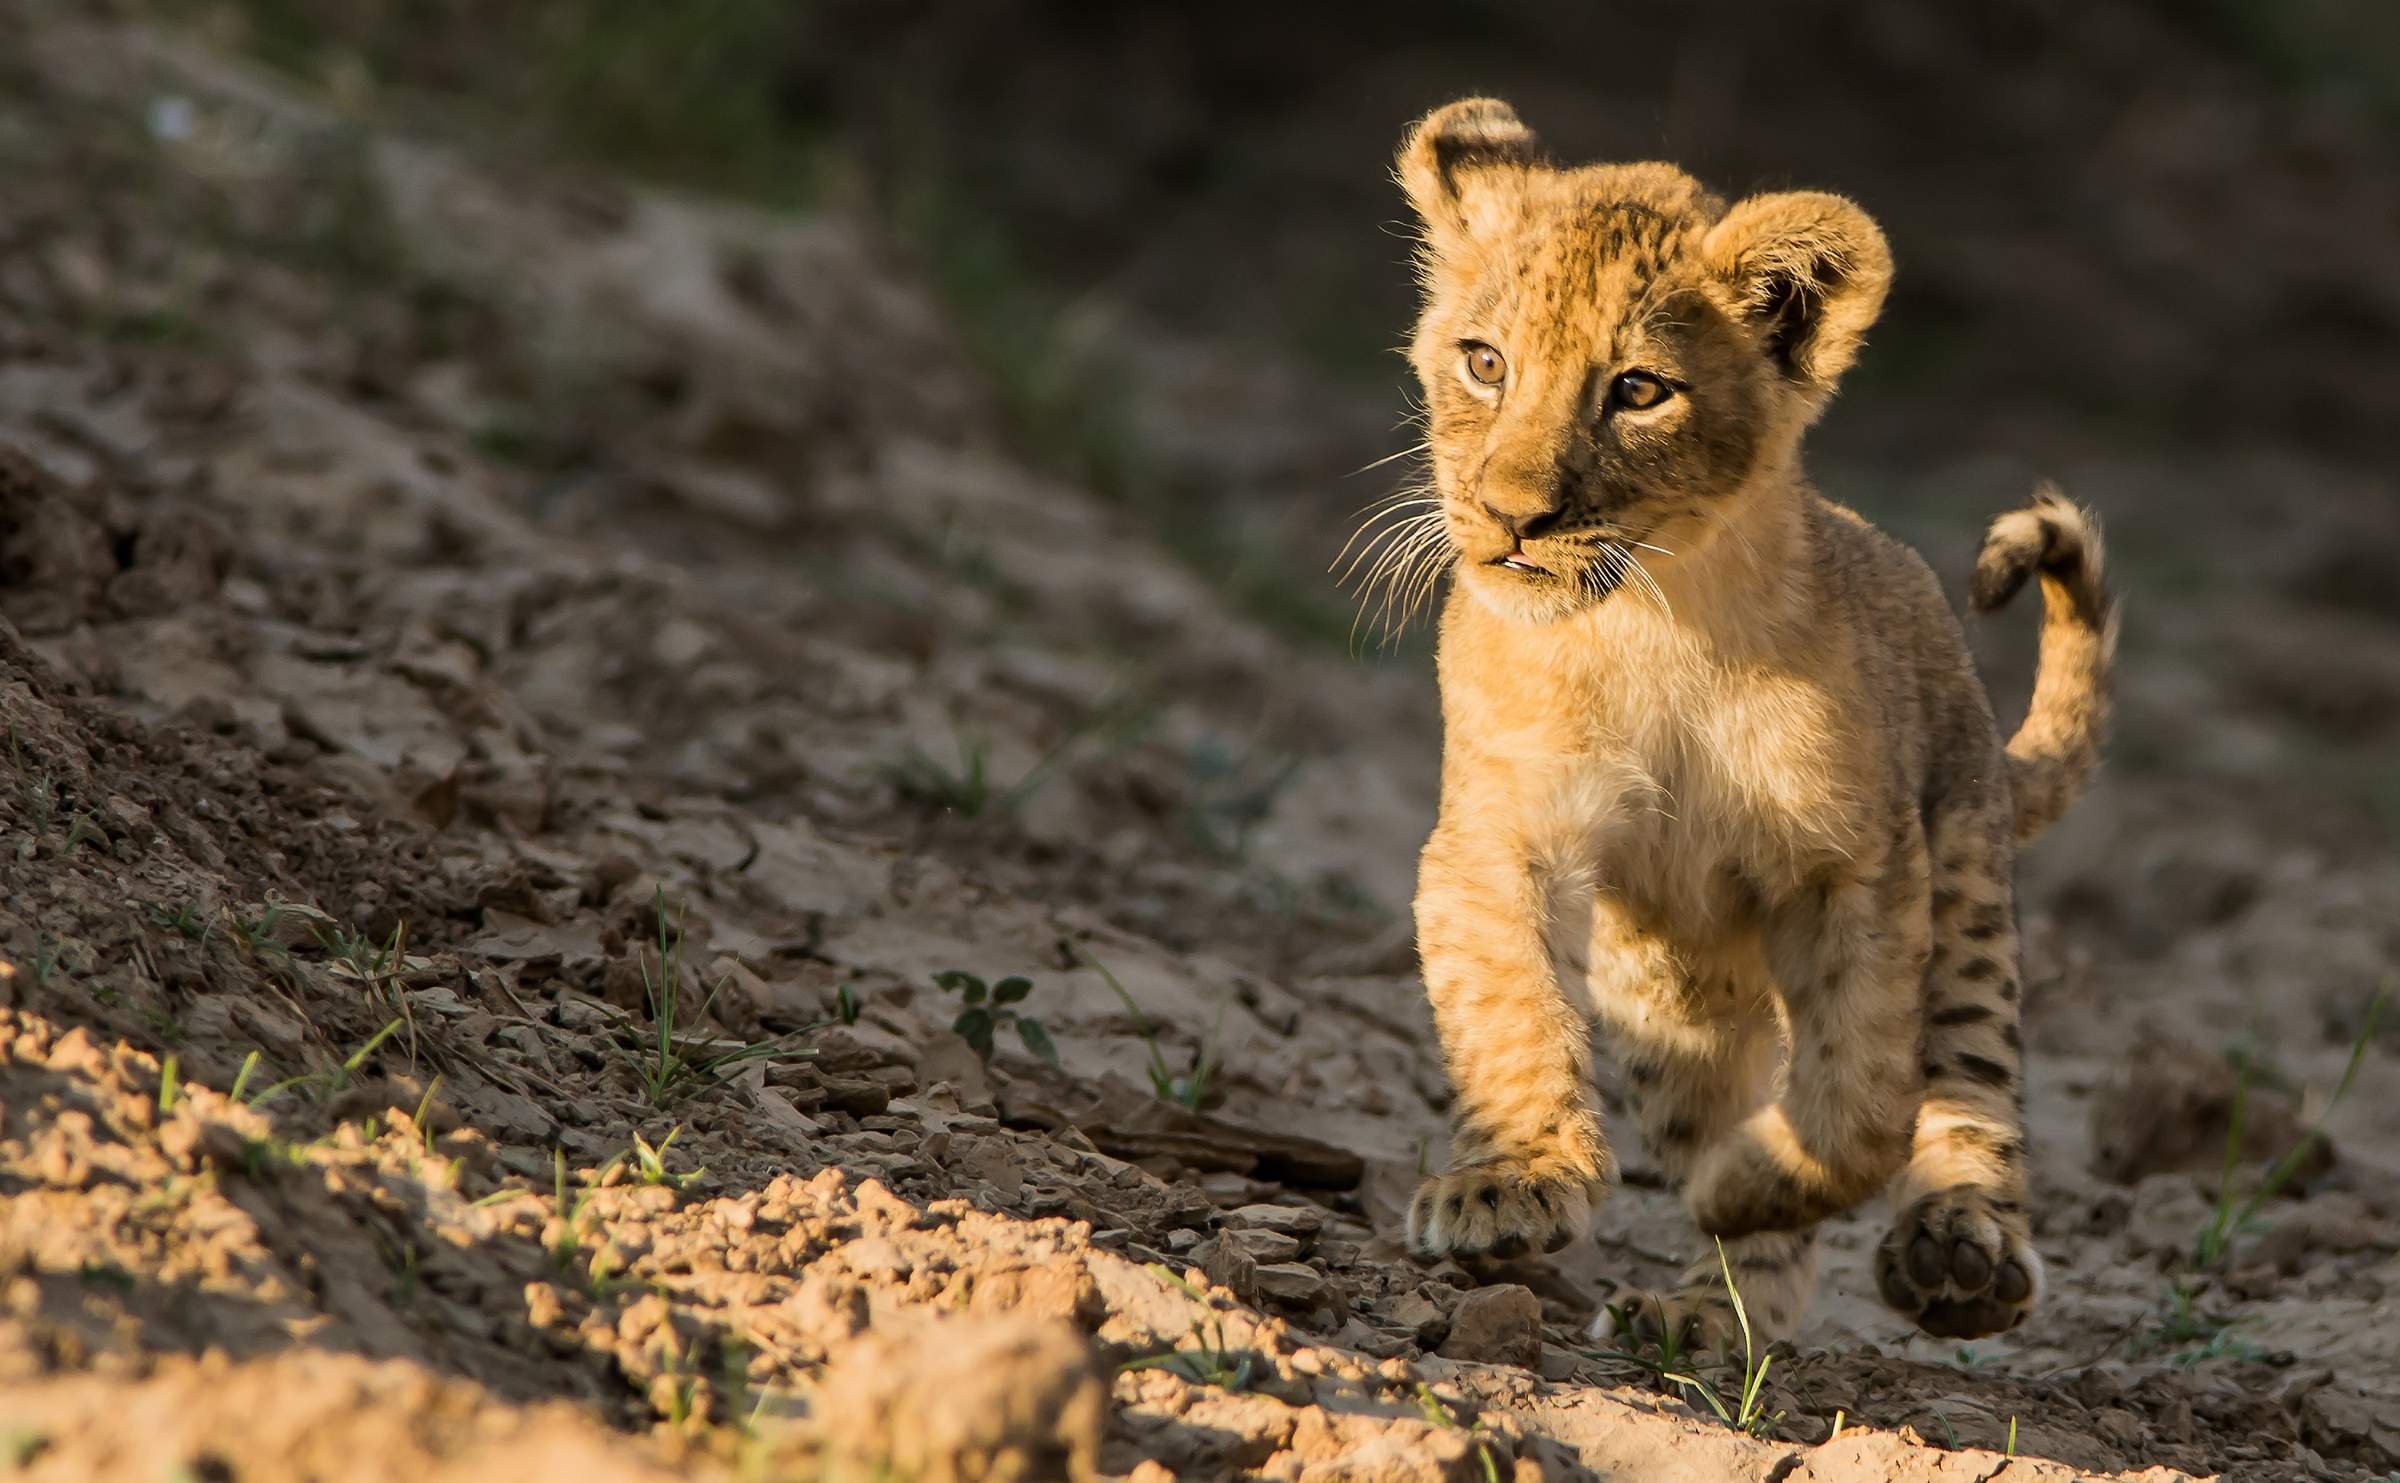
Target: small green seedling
846 1004
170 1085
650 1164
1436 1414
1209 1361
2234 1218
567 1251
2190 1335
186 919
964 788
424 1105
989 1007
1191 1088
333 1081
241 1078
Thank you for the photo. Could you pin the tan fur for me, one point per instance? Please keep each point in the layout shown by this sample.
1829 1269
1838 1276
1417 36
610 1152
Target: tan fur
1718 777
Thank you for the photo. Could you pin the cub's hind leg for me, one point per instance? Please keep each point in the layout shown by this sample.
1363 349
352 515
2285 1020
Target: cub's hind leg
1698 1057
1959 1259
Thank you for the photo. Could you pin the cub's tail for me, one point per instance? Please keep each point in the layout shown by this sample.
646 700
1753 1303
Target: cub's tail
2054 752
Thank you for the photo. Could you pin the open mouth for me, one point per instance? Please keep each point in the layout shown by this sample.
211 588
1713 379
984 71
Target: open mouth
1518 561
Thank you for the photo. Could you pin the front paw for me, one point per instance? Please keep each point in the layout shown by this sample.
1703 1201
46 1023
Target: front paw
1499 1208
1960 1264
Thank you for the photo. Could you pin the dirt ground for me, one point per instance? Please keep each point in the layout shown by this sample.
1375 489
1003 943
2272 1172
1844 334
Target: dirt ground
534 704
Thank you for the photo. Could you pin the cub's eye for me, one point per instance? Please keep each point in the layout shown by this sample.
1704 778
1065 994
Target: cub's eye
1484 364
1638 390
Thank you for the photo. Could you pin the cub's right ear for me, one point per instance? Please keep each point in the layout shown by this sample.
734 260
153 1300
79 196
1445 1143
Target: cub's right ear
1461 166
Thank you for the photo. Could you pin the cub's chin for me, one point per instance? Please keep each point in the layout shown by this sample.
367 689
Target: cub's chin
1538 595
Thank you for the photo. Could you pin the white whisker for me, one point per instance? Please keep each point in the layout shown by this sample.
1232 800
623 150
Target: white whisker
1409 452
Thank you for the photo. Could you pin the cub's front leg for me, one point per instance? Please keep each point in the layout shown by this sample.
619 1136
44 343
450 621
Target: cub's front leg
1528 1158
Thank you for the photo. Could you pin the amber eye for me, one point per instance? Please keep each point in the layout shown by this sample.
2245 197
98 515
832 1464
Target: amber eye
1638 390
1485 364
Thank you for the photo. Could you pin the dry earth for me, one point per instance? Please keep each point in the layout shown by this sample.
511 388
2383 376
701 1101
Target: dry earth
418 579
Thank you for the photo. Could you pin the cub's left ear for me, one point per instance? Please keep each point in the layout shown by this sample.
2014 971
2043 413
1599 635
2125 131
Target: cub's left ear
1809 270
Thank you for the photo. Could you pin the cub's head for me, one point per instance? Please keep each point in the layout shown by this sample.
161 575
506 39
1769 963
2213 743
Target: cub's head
1610 354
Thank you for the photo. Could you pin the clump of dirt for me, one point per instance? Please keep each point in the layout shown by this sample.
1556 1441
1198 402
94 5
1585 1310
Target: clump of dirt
527 754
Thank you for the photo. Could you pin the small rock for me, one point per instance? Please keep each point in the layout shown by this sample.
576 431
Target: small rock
965 1398
1264 1245
1230 1267
1299 1223
2119 1428
1295 1283
1497 1326
1421 1317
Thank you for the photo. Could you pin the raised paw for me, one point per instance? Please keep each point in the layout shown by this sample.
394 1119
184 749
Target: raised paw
1960 1264
1498 1209
1685 1321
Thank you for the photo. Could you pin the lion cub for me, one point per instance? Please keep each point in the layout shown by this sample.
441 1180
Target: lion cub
1718 774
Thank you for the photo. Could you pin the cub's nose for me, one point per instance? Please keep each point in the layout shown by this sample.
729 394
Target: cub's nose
1524 525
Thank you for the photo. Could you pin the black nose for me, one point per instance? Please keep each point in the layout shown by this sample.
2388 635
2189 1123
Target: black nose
1525 527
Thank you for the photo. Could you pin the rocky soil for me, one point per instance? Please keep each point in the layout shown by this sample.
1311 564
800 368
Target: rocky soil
536 708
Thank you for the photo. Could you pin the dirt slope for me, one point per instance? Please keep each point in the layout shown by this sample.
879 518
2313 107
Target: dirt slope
445 612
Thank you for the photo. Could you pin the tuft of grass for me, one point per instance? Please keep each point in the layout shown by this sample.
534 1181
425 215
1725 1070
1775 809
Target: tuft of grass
259 936
2187 1334
1191 1088
989 1008
669 1067
964 788
1746 1412
2234 1217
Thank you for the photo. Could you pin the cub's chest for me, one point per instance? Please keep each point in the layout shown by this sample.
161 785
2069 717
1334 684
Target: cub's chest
1754 781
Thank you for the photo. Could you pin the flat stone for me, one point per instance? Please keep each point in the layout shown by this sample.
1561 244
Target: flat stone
1291 1282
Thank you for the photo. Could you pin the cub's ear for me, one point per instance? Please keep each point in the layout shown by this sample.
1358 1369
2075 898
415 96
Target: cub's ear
1461 165
1809 271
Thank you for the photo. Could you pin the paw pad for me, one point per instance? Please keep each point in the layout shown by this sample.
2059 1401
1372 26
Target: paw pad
1960 1265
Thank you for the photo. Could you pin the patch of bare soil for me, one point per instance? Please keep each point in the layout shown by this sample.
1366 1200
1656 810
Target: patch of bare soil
516 693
